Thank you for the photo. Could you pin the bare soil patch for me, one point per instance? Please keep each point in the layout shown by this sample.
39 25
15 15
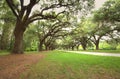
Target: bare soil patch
11 66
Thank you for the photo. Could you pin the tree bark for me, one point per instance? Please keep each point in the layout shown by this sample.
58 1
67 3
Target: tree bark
84 47
46 47
97 45
40 46
72 47
41 42
77 47
18 33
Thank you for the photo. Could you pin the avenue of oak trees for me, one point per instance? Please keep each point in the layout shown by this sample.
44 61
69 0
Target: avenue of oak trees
103 25
25 16
52 24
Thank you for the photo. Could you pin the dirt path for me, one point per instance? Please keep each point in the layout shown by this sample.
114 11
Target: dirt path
97 53
11 66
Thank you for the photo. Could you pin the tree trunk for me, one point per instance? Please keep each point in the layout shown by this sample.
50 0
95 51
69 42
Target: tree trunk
40 46
41 42
18 44
72 47
97 45
84 45
77 47
46 47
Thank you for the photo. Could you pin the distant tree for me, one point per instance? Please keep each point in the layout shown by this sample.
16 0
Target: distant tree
31 38
47 29
108 18
110 11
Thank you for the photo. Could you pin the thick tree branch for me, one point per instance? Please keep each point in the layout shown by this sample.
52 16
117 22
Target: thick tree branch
29 8
47 8
21 2
11 5
40 16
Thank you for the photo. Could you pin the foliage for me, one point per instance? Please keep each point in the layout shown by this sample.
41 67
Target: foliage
30 39
59 20
49 10
107 46
110 11
7 22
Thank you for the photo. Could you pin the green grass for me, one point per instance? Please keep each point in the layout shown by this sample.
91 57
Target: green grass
104 51
4 52
62 65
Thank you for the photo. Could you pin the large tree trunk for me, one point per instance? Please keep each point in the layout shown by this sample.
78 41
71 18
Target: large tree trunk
18 44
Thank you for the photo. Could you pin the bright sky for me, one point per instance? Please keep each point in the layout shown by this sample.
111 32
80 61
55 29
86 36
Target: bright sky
99 3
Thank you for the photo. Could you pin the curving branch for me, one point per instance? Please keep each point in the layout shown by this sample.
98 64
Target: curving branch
12 7
21 2
40 16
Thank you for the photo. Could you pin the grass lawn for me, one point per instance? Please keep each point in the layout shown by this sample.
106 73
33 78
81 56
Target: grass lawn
104 51
62 65
4 53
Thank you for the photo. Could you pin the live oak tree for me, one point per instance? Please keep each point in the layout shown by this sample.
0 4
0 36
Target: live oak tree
25 14
110 11
48 29
81 33
108 18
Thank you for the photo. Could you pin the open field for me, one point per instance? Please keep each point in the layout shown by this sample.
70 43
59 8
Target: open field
62 65
58 65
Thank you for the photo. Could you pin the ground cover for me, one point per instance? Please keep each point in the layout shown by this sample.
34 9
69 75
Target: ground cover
62 65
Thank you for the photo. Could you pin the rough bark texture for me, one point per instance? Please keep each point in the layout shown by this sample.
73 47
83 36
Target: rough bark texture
18 33
23 12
